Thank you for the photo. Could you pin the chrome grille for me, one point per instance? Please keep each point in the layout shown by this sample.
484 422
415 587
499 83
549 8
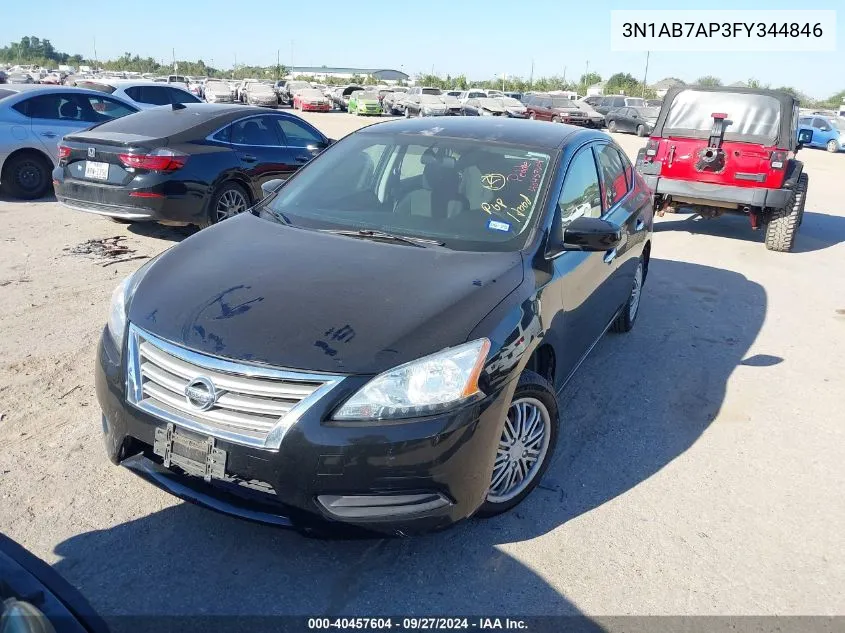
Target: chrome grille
252 405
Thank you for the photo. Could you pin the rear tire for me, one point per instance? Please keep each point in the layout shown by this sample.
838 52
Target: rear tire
555 119
832 146
611 126
231 195
641 130
532 116
27 176
784 222
533 394
625 321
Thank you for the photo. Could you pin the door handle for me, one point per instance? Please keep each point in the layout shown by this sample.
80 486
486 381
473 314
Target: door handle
49 134
609 256
248 158
640 224
302 159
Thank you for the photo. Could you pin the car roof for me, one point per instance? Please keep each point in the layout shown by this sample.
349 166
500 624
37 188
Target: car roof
537 134
26 90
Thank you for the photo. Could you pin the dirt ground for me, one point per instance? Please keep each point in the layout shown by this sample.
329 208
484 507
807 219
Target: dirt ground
702 471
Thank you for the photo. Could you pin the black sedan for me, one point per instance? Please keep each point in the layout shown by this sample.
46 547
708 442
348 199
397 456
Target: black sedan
382 341
640 121
186 164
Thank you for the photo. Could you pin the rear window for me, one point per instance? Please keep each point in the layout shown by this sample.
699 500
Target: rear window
754 118
433 91
156 123
7 93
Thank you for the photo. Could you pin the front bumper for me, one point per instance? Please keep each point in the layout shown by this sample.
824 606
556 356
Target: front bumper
704 191
158 198
425 474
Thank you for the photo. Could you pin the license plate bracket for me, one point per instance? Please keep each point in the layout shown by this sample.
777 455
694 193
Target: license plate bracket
96 171
196 454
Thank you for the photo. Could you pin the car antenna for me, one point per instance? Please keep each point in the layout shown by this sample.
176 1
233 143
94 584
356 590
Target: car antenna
179 106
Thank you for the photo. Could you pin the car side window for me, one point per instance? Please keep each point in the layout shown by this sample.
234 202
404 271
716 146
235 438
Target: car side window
619 102
579 196
297 134
104 109
614 181
151 95
41 107
182 96
819 124
257 131
224 135
805 121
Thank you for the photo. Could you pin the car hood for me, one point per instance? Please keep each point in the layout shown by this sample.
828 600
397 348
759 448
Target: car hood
250 289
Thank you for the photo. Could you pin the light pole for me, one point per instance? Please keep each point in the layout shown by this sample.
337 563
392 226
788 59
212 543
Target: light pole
645 74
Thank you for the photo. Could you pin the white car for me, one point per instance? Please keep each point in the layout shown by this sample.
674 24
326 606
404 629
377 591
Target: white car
141 92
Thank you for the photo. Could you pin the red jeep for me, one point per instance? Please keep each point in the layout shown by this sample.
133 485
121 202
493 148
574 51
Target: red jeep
729 150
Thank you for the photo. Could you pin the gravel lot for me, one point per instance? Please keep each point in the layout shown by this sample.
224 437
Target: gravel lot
702 470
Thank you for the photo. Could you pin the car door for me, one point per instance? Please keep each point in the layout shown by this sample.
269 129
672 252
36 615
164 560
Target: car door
301 140
822 132
624 119
260 150
627 205
587 300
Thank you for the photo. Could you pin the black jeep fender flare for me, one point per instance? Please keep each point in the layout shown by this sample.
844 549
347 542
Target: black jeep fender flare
794 170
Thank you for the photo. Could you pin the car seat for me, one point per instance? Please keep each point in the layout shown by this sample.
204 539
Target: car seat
69 110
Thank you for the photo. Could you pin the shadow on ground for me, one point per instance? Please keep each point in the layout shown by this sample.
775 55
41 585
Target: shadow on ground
5 197
161 231
638 403
817 232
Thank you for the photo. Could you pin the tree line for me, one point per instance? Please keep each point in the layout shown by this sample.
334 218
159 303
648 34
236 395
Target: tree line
34 50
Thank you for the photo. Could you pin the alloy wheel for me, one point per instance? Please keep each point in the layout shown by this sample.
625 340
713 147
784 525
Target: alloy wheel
230 204
522 449
634 303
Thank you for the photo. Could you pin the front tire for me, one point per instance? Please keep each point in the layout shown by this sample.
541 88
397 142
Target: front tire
27 176
832 146
611 126
555 119
526 445
641 130
784 222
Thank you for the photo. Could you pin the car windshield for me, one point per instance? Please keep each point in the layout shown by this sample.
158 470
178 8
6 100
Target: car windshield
467 194
753 118
563 103
839 122
311 93
427 98
509 102
490 102
259 87
368 95
217 85
633 102
648 113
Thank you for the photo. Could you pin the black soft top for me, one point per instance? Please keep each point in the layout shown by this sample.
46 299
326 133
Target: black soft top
785 135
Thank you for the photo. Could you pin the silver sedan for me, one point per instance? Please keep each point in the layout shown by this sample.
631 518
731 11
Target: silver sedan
33 119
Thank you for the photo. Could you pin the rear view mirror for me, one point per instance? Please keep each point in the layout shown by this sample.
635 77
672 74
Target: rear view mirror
805 136
591 234
271 186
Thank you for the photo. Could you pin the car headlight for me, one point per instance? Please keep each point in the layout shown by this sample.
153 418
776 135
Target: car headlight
422 387
117 311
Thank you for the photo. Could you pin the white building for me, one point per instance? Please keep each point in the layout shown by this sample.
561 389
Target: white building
596 90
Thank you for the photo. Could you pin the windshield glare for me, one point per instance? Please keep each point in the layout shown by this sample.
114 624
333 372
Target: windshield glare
511 103
470 195
430 99
649 113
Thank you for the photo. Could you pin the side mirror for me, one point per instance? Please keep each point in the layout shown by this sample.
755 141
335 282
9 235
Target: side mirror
271 186
582 234
591 234
805 136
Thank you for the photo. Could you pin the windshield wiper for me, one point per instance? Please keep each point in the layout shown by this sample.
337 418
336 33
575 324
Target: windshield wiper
381 235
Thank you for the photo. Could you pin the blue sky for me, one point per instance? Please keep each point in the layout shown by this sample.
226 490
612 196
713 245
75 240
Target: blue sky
479 39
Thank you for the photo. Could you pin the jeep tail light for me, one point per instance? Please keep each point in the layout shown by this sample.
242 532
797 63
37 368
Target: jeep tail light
651 147
64 152
163 160
778 159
